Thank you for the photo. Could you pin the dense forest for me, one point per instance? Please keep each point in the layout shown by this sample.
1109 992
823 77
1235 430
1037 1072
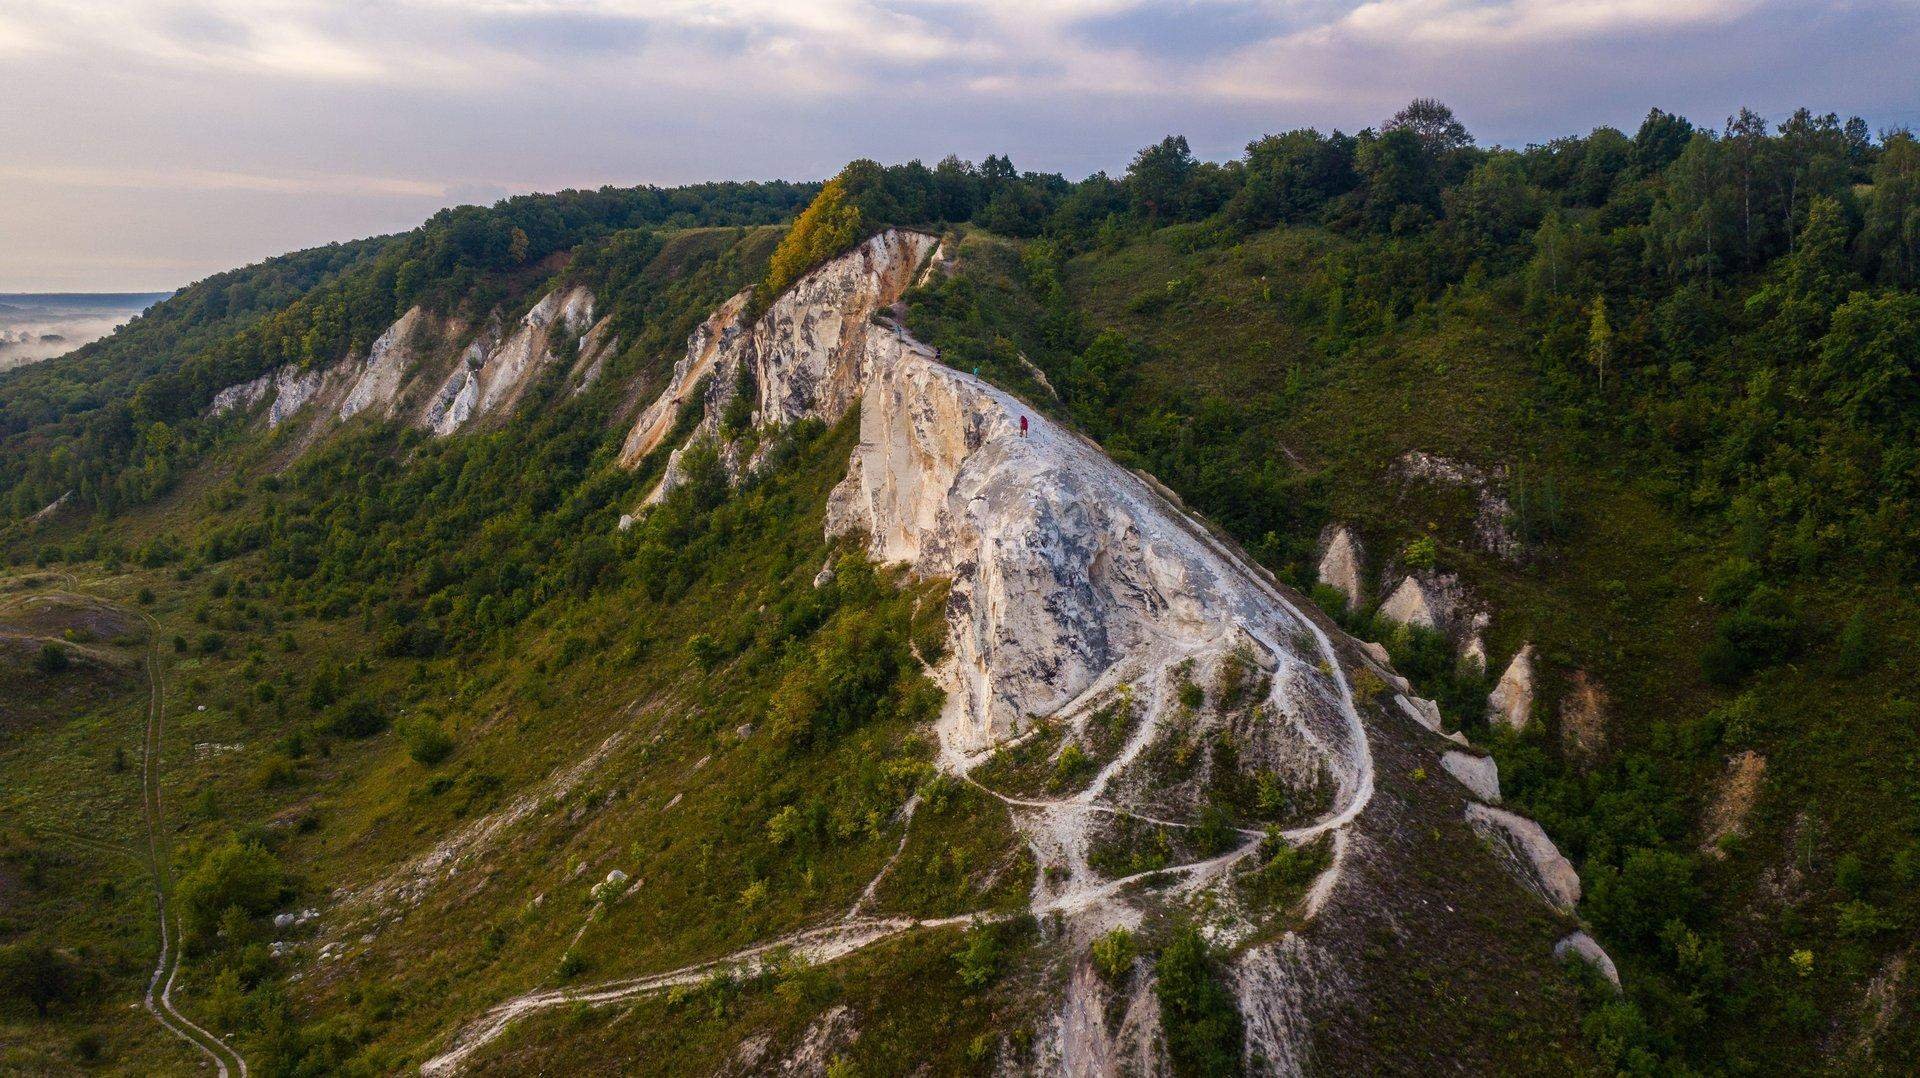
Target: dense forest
1705 339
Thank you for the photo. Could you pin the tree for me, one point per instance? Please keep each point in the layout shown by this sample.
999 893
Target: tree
236 875
1434 124
1157 179
1197 1012
1599 338
1890 235
1662 138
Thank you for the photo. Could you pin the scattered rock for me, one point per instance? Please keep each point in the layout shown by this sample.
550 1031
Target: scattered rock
1511 702
1474 650
1551 875
1587 949
825 576
1477 773
1340 565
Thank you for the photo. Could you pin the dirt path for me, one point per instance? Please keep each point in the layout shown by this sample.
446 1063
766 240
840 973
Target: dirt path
158 997
813 945
166 969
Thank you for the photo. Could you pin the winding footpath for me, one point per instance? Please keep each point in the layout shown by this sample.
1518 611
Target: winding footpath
166 969
158 998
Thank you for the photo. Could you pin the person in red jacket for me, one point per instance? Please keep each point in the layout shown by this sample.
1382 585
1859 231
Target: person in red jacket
1023 426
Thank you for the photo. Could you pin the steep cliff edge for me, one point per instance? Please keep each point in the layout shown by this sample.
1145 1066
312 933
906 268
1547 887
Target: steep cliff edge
1097 631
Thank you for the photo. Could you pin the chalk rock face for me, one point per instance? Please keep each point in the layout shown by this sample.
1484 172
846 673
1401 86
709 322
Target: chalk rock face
719 332
388 360
1065 567
1340 566
289 386
1550 874
809 356
1477 773
1511 701
492 374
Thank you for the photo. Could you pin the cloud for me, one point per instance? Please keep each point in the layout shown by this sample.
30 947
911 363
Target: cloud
196 179
269 123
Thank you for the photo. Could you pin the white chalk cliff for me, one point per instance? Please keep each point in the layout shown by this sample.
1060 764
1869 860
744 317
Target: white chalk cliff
1076 583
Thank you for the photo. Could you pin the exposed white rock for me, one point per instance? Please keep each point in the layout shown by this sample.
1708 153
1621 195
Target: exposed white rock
46 512
290 386
378 383
1413 603
1551 875
596 347
1511 702
1340 566
718 332
1474 651
1425 712
492 374
506 372
241 395
1587 949
292 389
1477 773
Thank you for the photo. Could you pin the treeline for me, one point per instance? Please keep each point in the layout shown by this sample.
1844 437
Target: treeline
1736 302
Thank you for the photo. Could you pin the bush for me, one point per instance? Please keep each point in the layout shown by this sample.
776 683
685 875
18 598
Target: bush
237 875
978 962
358 717
37 975
52 659
427 742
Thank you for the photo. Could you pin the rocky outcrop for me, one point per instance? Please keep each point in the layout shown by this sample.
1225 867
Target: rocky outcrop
1075 588
1511 702
720 332
287 387
389 361
492 374
1545 869
1422 602
1340 565
1477 773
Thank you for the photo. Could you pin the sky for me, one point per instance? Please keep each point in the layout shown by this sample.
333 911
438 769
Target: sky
147 143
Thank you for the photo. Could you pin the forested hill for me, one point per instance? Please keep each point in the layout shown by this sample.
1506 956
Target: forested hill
1610 443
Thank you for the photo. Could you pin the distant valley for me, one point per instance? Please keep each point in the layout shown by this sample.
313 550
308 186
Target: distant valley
40 325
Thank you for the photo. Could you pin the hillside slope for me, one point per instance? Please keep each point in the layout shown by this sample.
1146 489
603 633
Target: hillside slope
585 643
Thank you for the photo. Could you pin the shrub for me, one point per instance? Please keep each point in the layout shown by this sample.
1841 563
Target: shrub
360 716
427 742
37 975
978 961
1114 952
52 659
242 875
